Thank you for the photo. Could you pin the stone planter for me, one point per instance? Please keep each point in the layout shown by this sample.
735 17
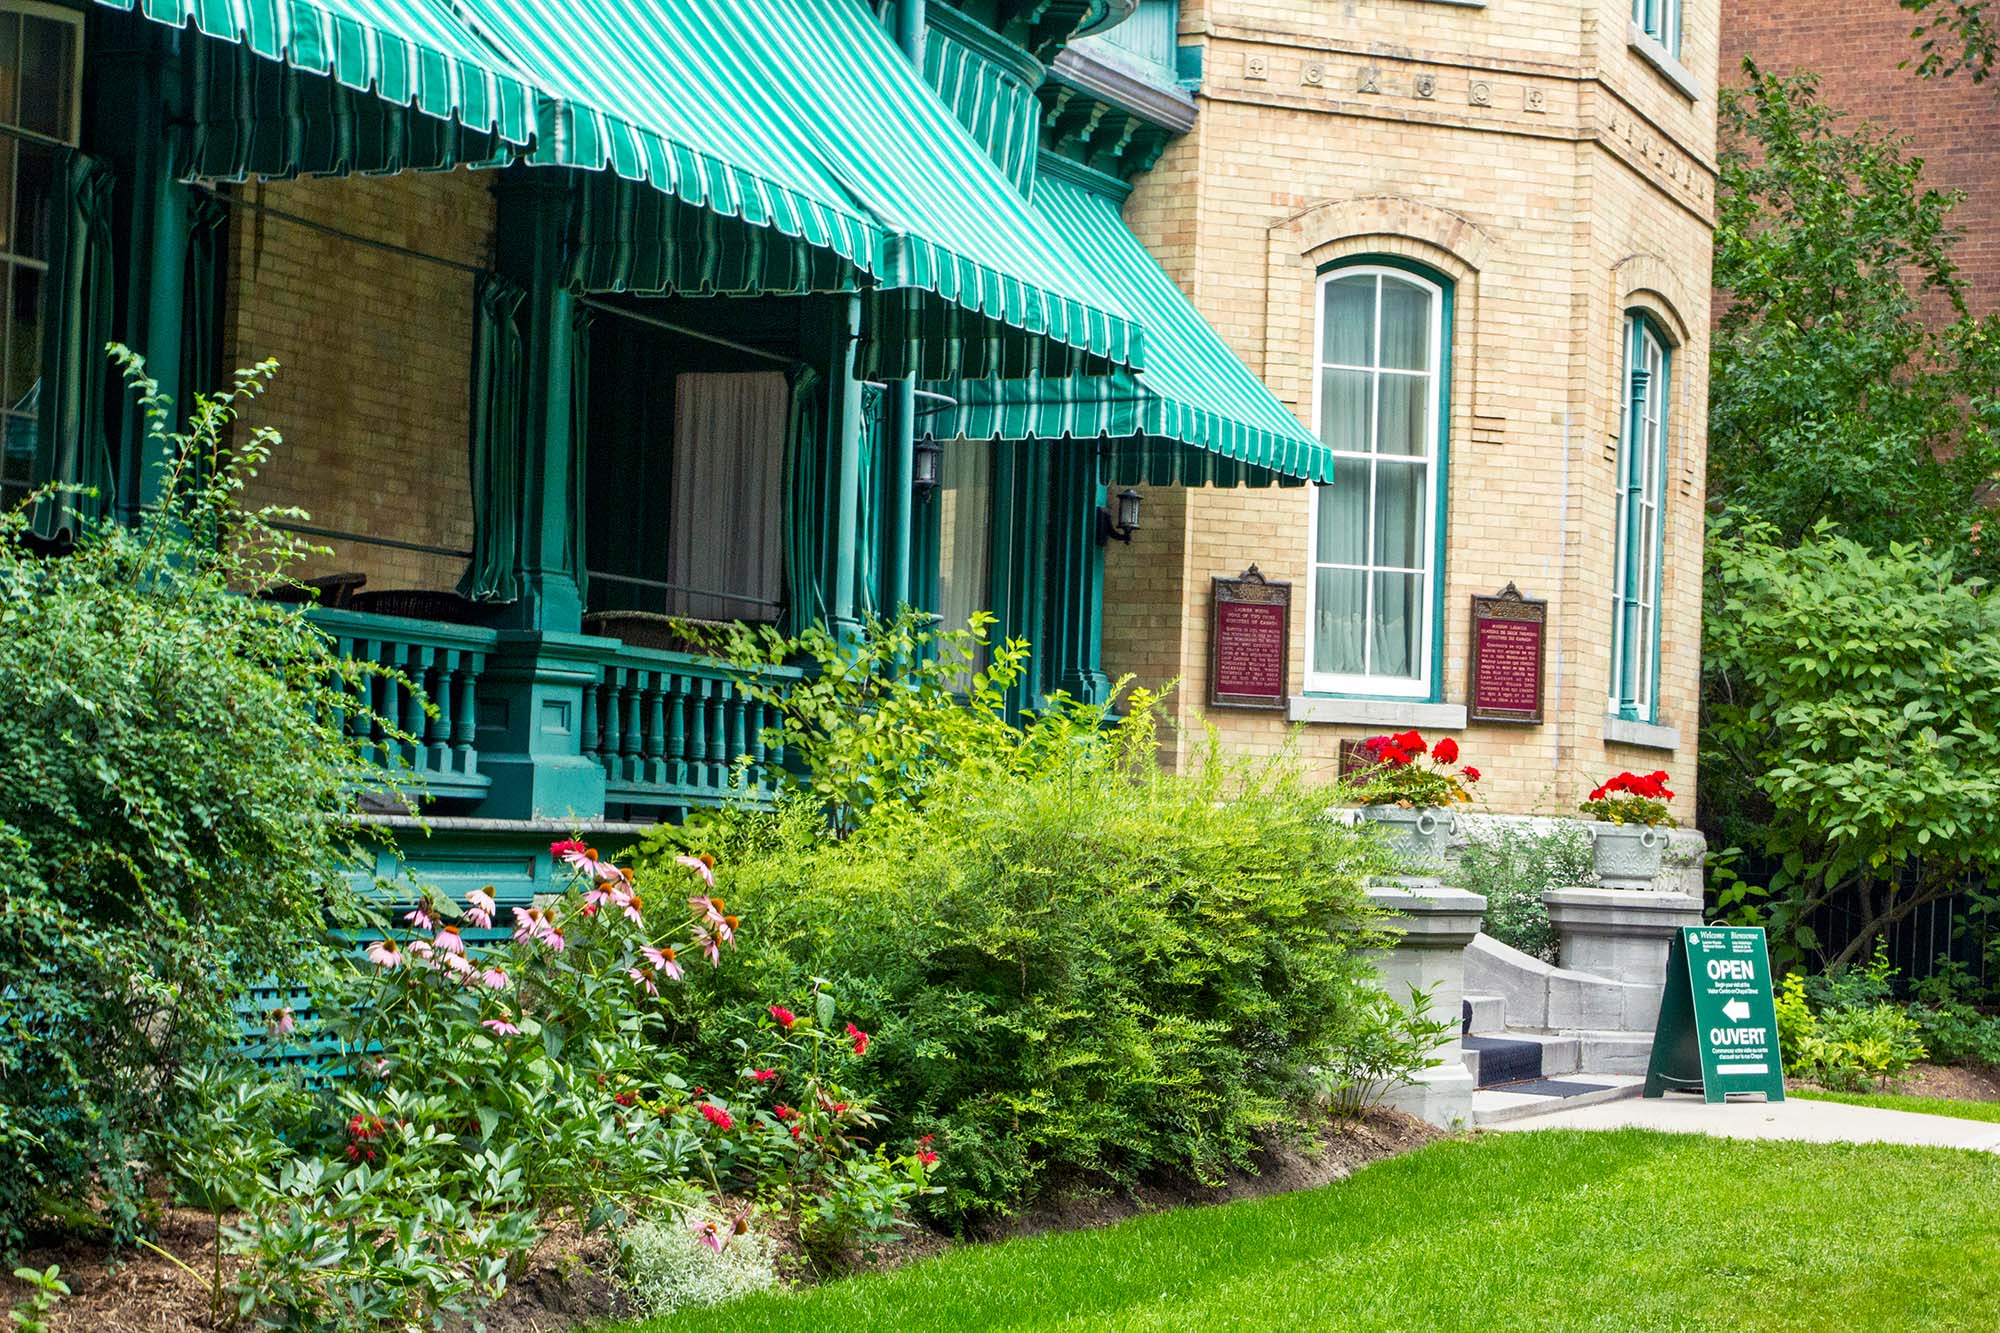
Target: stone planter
1620 935
1628 856
1421 836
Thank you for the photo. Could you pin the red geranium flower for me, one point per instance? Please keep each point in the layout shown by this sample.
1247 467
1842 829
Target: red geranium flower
1411 741
1446 751
1471 773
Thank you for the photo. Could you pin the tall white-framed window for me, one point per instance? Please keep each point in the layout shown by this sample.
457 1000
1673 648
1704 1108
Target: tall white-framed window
1661 21
1379 398
1642 485
41 67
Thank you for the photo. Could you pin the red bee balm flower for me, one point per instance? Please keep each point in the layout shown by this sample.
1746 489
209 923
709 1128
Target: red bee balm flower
860 1039
763 1075
927 1157
783 1016
716 1116
1445 751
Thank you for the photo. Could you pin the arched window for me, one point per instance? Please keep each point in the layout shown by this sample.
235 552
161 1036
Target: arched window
1381 405
1642 485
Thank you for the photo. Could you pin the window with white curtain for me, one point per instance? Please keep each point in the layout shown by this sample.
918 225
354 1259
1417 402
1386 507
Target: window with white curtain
1661 21
41 50
726 529
1642 483
964 497
1379 403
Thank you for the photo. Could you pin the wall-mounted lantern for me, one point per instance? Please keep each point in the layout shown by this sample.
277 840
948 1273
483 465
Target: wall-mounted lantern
924 467
1124 523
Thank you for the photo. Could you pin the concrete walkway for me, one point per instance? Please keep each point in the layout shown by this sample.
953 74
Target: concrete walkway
1795 1118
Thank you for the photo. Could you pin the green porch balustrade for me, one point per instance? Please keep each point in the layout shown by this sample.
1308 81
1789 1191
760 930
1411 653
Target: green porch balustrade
433 662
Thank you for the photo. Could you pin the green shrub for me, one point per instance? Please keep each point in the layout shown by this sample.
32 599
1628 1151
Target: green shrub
669 1268
1384 1047
1957 1034
175 793
1864 1046
1512 866
1071 962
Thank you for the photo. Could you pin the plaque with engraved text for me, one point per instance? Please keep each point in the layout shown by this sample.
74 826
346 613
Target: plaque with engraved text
1249 642
1509 648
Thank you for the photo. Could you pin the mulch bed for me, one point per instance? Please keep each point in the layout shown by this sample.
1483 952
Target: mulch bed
568 1280
1968 1083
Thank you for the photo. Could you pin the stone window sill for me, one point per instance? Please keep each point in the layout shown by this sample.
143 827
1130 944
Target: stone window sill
1645 735
1387 713
1653 53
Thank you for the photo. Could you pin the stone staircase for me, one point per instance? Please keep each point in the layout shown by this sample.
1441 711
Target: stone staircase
1537 1036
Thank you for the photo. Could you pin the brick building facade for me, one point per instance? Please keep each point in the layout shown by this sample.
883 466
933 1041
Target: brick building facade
1549 168
1865 56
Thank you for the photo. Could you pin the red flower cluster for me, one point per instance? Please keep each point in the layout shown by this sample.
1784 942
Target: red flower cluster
783 1112
763 1075
1649 787
783 1016
559 849
361 1134
1400 749
716 1116
859 1038
626 1098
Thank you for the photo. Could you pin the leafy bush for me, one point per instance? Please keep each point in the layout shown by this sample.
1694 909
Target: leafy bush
1071 961
175 802
669 1268
1852 700
1512 867
1841 1030
1956 1033
1386 1045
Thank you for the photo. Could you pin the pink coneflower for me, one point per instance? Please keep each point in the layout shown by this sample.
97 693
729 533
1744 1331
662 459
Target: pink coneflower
707 944
500 1027
449 940
420 916
493 979
711 1235
461 966
663 960
479 909
631 904
553 938
529 922
384 954
701 865
280 1022
644 976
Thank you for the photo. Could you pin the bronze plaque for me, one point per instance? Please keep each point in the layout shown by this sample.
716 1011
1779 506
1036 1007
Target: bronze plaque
1509 649
1249 642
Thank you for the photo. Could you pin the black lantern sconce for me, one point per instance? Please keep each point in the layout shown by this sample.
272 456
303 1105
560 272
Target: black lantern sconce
924 467
1121 526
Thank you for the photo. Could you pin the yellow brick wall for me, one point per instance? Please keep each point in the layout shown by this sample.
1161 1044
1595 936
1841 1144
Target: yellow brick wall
374 351
1531 154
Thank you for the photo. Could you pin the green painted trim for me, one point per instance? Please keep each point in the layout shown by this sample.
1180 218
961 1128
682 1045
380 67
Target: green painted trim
985 43
1636 321
1441 510
1084 177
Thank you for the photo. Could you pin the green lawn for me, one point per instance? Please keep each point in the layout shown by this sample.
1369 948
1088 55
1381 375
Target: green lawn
1895 1101
1549 1230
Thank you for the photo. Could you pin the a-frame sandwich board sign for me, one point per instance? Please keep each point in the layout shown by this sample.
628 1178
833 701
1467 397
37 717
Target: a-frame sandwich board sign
1718 1027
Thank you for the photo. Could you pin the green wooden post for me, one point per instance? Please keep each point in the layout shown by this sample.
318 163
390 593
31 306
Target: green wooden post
1020 559
142 61
543 665
898 583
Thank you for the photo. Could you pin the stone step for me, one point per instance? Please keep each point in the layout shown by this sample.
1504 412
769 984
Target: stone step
1484 1014
1491 1106
1615 1052
1512 1055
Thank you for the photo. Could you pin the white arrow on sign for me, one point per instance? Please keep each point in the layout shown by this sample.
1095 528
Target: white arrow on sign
1736 1011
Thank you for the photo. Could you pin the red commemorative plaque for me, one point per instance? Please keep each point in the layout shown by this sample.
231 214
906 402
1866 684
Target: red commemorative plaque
1509 648
1249 642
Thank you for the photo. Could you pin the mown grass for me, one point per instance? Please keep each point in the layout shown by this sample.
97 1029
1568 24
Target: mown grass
1896 1101
1549 1230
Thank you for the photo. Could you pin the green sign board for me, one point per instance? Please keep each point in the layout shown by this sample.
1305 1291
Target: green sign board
1718 1028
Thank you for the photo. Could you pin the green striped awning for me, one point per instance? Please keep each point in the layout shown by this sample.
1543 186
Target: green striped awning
802 116
408 52
1195 415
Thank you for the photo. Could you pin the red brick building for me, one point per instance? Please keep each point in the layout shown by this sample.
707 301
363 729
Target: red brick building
1865 56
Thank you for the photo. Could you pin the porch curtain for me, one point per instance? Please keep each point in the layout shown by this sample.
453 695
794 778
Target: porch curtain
495 442
727 548
964 500
73 447
805 516
201 299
